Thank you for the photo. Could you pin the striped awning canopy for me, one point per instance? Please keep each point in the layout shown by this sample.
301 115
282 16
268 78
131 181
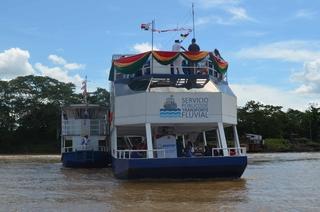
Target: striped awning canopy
132 64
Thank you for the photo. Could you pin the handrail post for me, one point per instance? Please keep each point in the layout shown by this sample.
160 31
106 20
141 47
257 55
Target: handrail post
149 140
236 139
223 138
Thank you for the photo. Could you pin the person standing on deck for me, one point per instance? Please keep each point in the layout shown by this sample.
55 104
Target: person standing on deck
177 63
85 142
193 47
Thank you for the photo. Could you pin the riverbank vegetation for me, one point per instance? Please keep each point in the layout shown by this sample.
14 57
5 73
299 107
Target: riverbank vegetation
290 130
30 112
30 118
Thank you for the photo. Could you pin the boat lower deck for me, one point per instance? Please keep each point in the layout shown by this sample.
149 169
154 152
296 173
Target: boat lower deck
182 167
85 159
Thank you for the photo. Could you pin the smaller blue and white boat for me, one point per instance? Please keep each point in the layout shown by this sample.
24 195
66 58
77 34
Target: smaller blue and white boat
84 136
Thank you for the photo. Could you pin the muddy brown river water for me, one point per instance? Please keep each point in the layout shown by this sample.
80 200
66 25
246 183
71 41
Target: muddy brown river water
271 182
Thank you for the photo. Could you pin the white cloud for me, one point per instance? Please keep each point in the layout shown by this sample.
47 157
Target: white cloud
309 77
233 12
74 66
294 51
207 4
61 70
212 19
306 14
58 73
55 59
304 52
15 62
239 14
273 96
143 47
253 33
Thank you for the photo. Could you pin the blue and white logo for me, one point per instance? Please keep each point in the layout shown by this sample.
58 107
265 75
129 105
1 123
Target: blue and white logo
170 109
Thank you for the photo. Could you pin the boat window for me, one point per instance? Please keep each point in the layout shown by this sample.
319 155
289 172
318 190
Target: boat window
139 85
102 143
68 143
180 82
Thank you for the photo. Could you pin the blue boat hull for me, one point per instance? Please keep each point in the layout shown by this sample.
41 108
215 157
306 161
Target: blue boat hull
195 167
85 159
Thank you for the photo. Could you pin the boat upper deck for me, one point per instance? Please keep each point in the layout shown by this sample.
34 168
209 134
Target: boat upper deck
168 69
84 111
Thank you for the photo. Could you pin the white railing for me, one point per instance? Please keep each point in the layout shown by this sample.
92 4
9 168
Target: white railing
67 149
160 153
79 126
139 153
102 148
231 151
200 68
83 148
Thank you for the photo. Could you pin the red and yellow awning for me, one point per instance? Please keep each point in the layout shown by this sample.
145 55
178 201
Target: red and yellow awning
132 64
125 64
219 63
194 56
165 57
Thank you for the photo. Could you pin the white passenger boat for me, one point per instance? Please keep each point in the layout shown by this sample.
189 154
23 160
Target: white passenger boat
168 125
84 136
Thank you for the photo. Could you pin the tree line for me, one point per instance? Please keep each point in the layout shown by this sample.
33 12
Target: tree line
272 122
30 112
30 115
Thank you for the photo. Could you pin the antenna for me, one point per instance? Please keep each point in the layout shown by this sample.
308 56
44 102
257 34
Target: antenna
85 92
152 30
193 28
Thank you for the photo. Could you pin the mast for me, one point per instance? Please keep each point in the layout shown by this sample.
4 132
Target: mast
85 93
152 30
193 28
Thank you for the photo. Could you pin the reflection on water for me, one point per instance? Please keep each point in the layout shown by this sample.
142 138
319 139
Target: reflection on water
277 182
186 195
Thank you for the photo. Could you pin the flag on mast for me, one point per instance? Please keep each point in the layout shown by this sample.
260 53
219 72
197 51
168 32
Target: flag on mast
145 26
84 88
148 27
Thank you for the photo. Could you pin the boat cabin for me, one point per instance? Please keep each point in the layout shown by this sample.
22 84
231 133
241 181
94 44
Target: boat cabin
84 127
164 110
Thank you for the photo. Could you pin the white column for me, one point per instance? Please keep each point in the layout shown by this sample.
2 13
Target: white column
218 139
236 139
62 143
223 139
62 133
183 141
149 141
114 142
204 138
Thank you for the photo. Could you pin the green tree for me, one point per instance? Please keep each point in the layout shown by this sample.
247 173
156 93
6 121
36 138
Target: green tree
100 97
265 120
30 112
312 120
294 124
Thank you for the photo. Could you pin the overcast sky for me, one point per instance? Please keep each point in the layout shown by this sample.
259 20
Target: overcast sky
272 46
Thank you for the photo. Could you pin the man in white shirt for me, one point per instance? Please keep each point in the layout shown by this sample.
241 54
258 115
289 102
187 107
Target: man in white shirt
177 63
85 142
